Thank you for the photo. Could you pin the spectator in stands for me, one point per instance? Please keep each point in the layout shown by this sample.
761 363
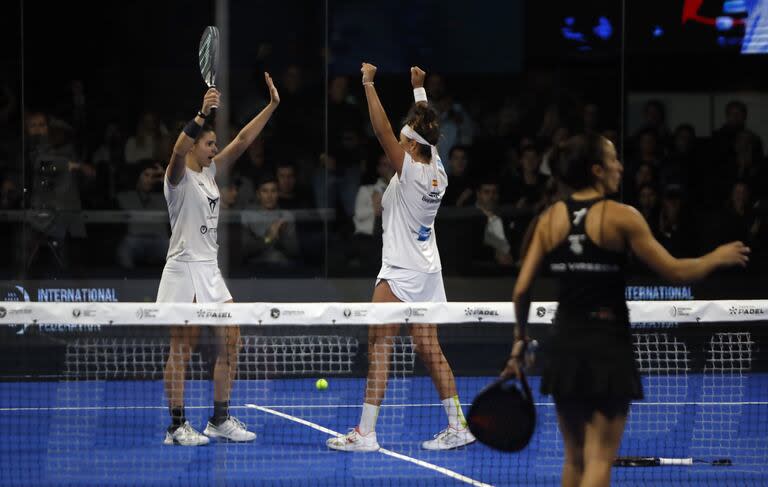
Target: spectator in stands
10 194
291 197
111 150
748 164
491 239
149 141
735 123
655 119
649 151
675 232
681 159
144 244
337 177
644 175
456 126
486 236
229 193
560 135
269 236
738 220
368 208
648 205
364 252
343 109
459 192
532 182
251 168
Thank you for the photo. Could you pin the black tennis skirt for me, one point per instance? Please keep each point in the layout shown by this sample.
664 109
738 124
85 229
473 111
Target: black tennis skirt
591 359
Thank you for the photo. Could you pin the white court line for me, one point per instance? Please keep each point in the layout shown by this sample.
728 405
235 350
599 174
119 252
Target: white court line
343 406
399 456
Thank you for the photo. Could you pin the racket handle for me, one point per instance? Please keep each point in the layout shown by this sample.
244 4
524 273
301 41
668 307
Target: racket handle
214 107
675 461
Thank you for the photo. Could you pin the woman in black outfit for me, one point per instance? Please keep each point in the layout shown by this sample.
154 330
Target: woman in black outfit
584 241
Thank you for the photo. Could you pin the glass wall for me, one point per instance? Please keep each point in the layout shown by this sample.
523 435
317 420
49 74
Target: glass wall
93 100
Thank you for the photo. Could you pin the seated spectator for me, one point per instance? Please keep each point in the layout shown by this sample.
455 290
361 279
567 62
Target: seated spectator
560 135
735 123
648 205
338 173
532 182
229 193
675 232
682 157
747 164
459 191
144 243
149 142
362 254
367 217
644 175
269 235
487 235
737 221
251 168
456 125
289 196
654 120
10 193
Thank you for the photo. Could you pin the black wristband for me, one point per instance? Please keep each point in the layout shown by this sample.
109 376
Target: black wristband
192 129
202 115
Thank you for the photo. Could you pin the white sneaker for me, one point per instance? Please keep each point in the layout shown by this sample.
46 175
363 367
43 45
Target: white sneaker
449 438
354 441
185 435
232 429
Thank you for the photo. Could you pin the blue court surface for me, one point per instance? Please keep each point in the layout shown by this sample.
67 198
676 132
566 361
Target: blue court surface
109 433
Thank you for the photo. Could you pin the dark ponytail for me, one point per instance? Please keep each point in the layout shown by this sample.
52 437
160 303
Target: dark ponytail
575 157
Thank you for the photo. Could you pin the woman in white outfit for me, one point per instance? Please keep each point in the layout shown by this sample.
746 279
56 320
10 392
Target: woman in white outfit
191 272
410 269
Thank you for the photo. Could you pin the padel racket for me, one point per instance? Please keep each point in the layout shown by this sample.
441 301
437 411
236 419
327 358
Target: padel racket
660 462
208 55
503 416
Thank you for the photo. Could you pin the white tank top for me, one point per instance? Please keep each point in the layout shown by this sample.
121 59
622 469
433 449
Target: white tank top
410 205
193 206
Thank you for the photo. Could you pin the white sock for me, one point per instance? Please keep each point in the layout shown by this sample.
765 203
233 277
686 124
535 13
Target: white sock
368 418
453 410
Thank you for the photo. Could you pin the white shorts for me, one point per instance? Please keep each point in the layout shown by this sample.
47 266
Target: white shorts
411 286
184 282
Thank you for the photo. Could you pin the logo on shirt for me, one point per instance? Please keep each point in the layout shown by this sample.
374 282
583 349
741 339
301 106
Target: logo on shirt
576 243
424 233
212 203
203 229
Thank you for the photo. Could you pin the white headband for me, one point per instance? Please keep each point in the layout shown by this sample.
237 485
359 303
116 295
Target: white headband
408 131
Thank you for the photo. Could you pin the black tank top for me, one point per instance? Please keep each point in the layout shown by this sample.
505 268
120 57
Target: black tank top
591 278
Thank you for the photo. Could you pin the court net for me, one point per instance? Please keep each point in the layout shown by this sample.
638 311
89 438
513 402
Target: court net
82 398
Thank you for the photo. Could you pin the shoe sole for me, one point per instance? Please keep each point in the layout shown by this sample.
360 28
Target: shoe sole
356 450
451 448
176 443
219 437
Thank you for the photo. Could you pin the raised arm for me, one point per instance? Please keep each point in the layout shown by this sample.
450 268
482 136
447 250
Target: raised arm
248 134
650 251
186 140
381 126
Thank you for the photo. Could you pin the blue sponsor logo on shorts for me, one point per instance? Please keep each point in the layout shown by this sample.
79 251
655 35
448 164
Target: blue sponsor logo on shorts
424 233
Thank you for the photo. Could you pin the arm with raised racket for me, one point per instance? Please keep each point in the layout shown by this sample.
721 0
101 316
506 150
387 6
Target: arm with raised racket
177 165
